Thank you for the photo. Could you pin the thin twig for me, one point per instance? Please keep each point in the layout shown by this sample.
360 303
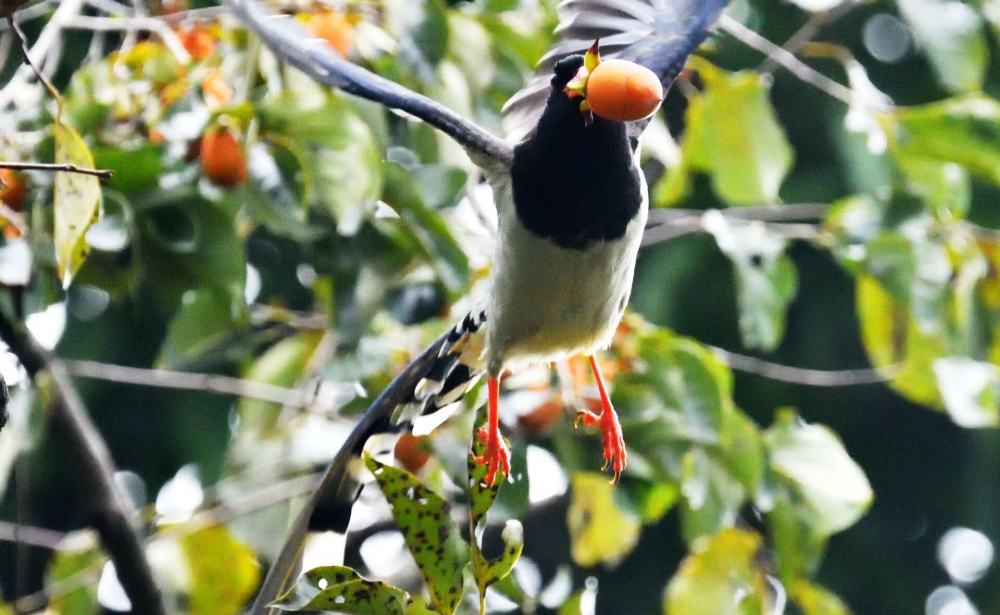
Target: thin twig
785 58
667 224
23 42
28 13
50 167
131 24
111 513
801 375
50 35
806 33
209 383
34 536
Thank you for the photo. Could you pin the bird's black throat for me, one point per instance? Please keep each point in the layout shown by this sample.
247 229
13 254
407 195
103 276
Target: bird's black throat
575 184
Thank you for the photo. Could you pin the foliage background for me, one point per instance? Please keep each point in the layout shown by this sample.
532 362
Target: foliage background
344 294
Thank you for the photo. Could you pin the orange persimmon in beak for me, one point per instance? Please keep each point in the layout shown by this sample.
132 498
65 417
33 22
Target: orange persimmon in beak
623 91
617 90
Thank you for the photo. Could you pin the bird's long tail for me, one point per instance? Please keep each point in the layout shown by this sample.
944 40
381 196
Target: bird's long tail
429 393
439 377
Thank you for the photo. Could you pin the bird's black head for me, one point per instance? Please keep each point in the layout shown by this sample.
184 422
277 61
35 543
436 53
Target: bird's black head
565 70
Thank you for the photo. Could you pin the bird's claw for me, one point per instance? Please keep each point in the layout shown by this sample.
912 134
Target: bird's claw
496 458
612 439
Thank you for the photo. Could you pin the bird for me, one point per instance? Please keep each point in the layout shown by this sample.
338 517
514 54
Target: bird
572 205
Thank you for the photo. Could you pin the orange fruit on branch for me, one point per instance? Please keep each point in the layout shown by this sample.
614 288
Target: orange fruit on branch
222 157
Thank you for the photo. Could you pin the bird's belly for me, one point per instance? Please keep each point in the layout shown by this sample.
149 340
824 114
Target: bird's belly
549 302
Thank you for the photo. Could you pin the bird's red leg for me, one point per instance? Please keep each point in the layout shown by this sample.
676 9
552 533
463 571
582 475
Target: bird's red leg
611 429
497 456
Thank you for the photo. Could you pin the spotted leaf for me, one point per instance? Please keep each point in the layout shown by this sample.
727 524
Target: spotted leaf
340 589
430 534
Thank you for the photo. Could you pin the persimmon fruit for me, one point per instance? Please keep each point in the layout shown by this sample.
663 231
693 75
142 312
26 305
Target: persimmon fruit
13 192
334 29
222 158
413 452
623 91
198 41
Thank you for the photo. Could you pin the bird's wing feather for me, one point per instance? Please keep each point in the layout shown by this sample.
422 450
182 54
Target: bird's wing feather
292 44
659 34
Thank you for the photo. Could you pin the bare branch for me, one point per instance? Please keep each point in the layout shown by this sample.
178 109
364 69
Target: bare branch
801 375
809 30
667 224
53 168
112 513
209 383
23 42
28 535
785 58
132 24
50 35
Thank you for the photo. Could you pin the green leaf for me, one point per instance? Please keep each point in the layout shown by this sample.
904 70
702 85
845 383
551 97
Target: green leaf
734 136
188 243
796 537
135 170
342 162
816 600
340 589
712 495
766 280
78 554
964 130
813 458
430 534
282 365
481 498
204 320
440 186
427 228
951 33
77 201
970 390
896 345
720 577
600 532
224 572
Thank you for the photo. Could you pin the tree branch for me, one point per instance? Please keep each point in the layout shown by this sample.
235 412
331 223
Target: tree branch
209 383
49 36
807 32
111 512
670 223
44 166
34 536
787 59
801 375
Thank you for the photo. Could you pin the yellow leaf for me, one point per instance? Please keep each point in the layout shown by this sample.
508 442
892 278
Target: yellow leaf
600 532
224 571
77 202
720 577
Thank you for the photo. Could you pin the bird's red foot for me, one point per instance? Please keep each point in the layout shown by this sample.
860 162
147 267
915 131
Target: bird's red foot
496 458
615 456
497 455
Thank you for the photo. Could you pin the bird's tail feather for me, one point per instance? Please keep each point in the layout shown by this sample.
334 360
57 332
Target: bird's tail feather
441 381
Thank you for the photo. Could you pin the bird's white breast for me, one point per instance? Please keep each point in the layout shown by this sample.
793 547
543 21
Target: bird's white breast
548 302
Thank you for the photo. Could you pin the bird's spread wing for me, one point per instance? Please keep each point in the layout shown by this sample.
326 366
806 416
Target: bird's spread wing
658 34
293 44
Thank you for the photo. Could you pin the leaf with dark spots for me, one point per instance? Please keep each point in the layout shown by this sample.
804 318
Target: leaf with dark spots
430 534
